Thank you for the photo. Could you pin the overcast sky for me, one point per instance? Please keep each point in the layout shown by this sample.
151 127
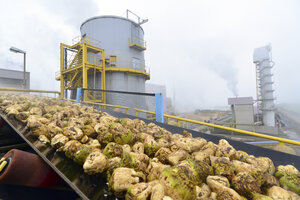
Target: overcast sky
201 50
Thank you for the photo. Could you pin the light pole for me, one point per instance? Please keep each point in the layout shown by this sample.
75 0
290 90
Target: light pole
16 50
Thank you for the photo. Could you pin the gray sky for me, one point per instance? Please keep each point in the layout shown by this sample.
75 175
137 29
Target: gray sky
202 50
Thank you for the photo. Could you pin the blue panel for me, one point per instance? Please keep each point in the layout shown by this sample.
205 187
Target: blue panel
78 95
159 111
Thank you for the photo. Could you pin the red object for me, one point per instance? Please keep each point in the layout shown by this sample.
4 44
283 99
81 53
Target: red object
28 169
1 122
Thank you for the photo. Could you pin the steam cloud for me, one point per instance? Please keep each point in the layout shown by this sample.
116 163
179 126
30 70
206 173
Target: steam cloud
224 67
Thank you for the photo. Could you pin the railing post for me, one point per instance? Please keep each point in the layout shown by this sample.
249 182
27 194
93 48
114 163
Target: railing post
78 95
178 123
159 113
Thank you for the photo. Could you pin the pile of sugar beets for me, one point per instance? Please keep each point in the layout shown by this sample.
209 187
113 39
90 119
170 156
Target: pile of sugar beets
145 161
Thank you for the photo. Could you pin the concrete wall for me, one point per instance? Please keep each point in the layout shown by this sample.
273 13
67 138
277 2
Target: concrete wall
14 78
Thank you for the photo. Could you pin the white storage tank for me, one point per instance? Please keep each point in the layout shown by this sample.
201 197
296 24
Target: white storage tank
123 42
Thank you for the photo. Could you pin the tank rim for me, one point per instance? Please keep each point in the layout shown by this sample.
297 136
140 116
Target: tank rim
110 16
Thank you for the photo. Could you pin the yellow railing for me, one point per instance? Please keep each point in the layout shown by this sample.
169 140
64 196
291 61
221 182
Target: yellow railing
73 100
179 120
28 90
252 126
138 41
108 105
86 40
129 64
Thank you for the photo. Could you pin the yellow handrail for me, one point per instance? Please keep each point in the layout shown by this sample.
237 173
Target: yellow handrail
73 100
27 90
226 128
109 105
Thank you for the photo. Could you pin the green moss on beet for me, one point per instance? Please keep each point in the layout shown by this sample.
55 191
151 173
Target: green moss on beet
259 176
81 155
128 160
151 149
223 168
257 196
177 183
113 150
123 137
200 170
290 182
105 137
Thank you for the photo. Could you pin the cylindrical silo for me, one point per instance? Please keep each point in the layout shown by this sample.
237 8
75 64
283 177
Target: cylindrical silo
123 40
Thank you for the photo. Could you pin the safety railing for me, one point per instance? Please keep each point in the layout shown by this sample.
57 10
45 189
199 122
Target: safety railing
94 59
128 64
72 100
29 91
103 106
180 120
232 125
137 41
87 40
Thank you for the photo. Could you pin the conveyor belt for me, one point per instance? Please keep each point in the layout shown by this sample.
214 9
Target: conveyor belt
95 187
86 186
279 158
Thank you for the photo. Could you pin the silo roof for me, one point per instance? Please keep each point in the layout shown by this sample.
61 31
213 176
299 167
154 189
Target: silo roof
111 16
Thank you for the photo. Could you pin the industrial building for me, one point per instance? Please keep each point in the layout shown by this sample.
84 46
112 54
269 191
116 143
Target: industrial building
14 79
242 107
108 55
156 88
242 112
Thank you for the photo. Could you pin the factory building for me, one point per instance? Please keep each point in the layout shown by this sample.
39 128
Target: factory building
109 55
14 79
242 112
243 116
150 102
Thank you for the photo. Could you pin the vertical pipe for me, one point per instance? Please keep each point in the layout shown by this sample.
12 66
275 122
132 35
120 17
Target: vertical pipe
159 107
62 92
103 76
84 69
24 80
